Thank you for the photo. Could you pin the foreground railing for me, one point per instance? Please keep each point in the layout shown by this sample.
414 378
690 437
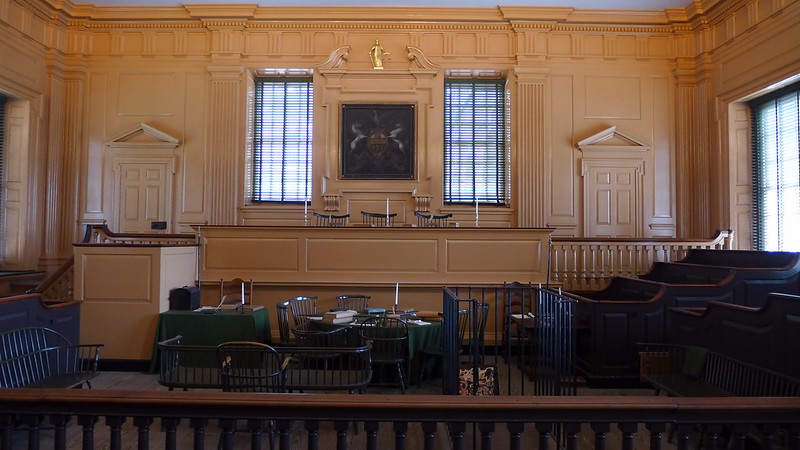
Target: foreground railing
152 419
588 263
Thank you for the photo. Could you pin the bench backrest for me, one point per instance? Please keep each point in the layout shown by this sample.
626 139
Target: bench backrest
719 372
32 354
306 368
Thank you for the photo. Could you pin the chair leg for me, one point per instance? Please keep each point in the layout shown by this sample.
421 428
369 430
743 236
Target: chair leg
402 378
423 358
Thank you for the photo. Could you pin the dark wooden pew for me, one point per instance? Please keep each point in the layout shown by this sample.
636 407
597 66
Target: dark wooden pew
767 336
756 274
32 310
682 273
611 321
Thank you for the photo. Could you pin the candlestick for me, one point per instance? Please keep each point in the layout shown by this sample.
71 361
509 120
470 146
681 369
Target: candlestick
305 212
396 296
476 211
387 212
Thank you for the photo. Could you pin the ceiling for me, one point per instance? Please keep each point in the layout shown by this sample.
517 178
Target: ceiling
581 4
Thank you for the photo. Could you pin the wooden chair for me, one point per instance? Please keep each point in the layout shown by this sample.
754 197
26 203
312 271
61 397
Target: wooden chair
388 338
306 336
235 292
520 299
355 302
282 312
248 367
302 307
378 219
431 220
438 352
330 220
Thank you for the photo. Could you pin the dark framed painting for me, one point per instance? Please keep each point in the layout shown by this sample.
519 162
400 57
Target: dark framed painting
377 142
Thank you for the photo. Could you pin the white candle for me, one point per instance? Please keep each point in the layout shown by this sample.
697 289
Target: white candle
396 295
476 211
387 212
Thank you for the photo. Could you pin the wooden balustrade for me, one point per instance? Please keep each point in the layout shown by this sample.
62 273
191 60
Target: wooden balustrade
100 234
588 263
131 418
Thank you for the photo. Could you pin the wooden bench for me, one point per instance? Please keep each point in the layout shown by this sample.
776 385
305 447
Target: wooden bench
37 357
768 336
691 371
306 368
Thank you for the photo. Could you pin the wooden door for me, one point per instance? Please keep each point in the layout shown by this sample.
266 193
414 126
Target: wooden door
143 196
612 202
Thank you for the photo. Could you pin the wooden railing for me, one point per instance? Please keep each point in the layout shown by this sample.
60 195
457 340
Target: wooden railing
588 263
58 287
160 419
100 234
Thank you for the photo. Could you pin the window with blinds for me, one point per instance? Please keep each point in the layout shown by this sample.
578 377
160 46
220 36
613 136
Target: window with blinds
282 138
776 170
475 142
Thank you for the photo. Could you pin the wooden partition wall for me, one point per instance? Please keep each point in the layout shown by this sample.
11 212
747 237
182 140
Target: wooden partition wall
406 262
354 256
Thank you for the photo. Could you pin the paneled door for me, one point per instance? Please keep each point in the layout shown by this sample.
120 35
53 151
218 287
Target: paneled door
612 202
143 196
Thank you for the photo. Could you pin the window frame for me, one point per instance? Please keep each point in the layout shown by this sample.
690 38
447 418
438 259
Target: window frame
493 188
763 221
302 147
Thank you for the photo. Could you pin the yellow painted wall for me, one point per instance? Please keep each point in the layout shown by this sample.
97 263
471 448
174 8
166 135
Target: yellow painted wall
667 78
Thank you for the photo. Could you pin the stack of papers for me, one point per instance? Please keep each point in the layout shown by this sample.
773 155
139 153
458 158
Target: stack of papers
419 322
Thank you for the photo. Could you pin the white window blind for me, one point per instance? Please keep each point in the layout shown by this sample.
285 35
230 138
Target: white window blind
282 138
475 151
776 169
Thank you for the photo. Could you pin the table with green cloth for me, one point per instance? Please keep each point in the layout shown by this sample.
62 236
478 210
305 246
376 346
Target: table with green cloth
211 329
419 337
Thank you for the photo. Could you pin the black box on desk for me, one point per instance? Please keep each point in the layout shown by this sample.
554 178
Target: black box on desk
186 298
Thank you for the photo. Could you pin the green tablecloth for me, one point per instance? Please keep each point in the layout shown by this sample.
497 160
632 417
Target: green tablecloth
419 337
211 329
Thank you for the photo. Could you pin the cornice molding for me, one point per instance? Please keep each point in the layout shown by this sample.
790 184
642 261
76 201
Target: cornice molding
220 11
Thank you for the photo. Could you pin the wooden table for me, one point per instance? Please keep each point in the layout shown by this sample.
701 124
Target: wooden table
211 329
419 337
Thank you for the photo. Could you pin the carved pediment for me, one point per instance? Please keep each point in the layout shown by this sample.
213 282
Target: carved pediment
143 135
416 55
614 139
336 58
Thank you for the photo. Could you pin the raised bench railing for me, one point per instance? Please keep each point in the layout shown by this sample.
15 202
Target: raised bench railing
588 263
100 234
307 368
155 419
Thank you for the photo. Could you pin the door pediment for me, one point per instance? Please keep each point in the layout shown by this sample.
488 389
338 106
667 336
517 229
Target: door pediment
613 139
143 136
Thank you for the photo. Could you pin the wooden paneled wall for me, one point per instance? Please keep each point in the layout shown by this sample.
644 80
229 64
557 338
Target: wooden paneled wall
86 74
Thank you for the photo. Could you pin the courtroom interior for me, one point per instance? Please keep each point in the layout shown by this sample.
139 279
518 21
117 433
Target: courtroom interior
515 183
